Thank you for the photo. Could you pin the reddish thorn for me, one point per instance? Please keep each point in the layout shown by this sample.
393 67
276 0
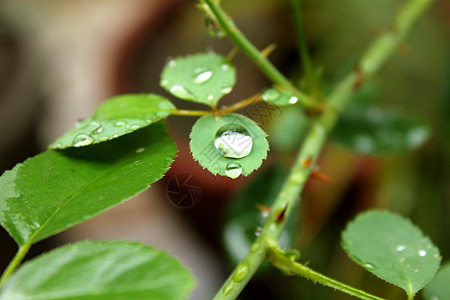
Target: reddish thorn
281 215
322 177
307 162
359 78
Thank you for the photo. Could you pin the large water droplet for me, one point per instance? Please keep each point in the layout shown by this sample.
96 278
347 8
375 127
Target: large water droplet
82 140
233 141
180 91
270 95
233 170
201 75
241 272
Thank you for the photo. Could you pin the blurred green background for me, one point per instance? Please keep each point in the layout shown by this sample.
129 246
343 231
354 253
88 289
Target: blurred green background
59 59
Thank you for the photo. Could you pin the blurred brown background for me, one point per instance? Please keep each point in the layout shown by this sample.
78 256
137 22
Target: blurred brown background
60 59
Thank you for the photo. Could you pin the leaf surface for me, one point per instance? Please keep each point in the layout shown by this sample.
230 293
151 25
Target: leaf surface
116 117
202 78
100 270
203 144
376 131
392 248
58 189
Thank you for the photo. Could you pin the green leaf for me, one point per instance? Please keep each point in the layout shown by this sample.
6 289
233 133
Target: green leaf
203 143
115 117
392 248
279 97
203 77
57 189
439 287
100 270
376 131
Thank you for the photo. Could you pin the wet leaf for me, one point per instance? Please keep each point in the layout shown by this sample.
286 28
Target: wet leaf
58 189
100 270
376 131
202 78
115 117
439 287
392 248
229 145
279 97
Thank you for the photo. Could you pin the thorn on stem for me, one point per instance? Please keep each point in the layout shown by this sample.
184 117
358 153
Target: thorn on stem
359 78
281 216
307 162
321 176
268 50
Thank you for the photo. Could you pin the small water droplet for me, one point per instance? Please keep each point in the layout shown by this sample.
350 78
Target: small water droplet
103 139
134 127
164 82
120 124
415 270
201 75
270 95
172 63
233 170
422 252
436 255
228 288
210 97
225 67
226 89
293 100
241 272
255 247
402 259
140 150
233 141
434 297
369 266
400 248
82 140
258 230
180 91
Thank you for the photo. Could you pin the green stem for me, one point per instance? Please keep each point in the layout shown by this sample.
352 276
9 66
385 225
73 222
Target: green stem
303 48
15 262
279 259
254 54
375 56
185 112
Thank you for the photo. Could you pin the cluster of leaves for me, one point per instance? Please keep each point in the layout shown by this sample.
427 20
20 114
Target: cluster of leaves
120 150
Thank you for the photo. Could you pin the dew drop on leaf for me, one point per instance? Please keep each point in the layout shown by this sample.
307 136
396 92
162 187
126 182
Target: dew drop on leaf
201 75
82 140
233 141
233 170
180 91
270 95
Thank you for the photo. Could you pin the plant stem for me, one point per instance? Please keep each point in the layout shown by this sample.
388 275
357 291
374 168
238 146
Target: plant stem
371 61
279 259
240 104
15 262
254 54
185 112
303 50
